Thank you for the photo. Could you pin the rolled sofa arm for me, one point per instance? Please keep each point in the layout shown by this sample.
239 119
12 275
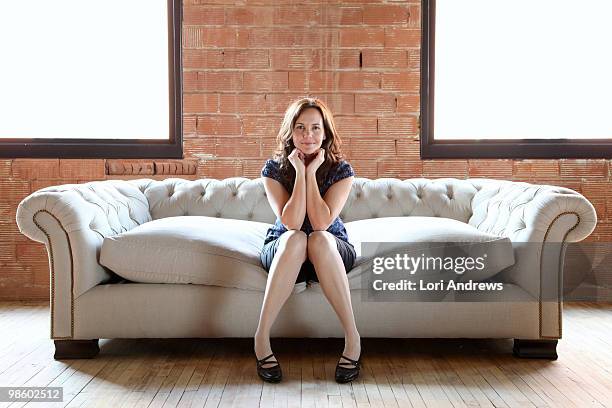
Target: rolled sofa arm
72 221
540 220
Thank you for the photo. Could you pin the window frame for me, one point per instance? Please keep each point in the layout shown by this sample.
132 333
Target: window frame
120 148
480 148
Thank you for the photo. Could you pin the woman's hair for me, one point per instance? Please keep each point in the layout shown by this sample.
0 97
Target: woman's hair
285 144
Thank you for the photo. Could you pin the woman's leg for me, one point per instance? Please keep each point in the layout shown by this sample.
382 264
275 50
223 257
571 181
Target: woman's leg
324 255
285 267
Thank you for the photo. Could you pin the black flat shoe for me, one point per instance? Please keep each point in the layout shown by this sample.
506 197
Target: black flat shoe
270 374
344 374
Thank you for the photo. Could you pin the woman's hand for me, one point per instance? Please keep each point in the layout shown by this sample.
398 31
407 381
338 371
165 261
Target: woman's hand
296 158
316 162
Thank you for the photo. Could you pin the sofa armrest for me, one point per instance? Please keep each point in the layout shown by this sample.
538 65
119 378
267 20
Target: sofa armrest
72 221
540 220
526 212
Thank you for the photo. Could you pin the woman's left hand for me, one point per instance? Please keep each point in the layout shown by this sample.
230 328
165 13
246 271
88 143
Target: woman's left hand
316 162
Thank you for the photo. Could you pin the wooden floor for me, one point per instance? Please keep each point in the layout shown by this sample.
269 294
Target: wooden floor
395 372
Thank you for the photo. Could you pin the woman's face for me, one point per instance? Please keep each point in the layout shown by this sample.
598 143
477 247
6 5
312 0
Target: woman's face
308 132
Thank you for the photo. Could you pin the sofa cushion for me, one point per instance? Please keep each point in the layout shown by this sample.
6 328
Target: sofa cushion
430 235
190 249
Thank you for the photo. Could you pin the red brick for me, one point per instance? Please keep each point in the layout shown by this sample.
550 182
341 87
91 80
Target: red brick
268 146
190 82
219 81
260 16
408 103
238 147
404 169
290 59
408 149
594 190
388 58
200 103
362 37
189 126
364 168
374 103
122 167
278 102
445 168
5 168
369 148
383 15
36 185
414 15
291 37
342 59
297 15
251 168
77 168
202 37
29 169
243 103
219 168
351 126
497 169
339 103
219 125
30 252
405 126
203 15
401 81
266 81
225 58
199 147
414 59
197 58
402 37
583 168
257 126
338 15
333 81
535 168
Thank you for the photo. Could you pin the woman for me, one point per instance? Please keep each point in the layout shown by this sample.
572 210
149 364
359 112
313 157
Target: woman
307 185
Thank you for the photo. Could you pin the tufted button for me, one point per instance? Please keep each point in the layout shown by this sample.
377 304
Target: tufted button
250 215
218 215
265 195
358 195
374 215
389 196
234 193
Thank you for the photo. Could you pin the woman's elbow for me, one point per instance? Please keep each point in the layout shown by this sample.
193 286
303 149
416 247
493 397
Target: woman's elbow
291 224
319 226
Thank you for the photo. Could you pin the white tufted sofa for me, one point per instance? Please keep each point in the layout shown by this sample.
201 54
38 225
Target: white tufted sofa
73 220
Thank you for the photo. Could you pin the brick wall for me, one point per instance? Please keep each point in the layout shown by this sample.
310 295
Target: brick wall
242 65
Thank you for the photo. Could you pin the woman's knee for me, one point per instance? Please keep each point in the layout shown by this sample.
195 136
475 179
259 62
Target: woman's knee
320 242
294 241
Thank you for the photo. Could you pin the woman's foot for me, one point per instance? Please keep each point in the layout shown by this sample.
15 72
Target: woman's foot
348 366
268 368
263 349
352 348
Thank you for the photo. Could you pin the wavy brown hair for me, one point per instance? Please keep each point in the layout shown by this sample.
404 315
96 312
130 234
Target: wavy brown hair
285 144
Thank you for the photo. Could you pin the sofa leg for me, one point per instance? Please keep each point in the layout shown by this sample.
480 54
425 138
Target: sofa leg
535 349
69 349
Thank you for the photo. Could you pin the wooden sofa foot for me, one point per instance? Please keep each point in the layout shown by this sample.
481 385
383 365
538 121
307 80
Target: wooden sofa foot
68 349
535 349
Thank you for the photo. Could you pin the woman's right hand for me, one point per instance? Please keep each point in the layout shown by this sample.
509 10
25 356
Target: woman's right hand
297 159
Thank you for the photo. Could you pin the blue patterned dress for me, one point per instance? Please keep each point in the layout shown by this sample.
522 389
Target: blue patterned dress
341 171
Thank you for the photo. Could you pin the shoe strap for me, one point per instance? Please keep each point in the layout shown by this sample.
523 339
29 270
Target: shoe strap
352 362
263 361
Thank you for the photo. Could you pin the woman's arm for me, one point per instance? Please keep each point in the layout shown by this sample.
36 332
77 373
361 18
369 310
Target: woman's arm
323 211
291 210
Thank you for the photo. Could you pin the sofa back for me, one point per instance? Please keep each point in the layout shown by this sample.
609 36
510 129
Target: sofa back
245 199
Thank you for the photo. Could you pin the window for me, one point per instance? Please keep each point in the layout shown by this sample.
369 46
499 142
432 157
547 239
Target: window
91 79
516 79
